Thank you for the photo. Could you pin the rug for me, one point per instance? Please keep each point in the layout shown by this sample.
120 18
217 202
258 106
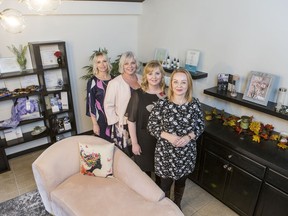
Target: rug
29 204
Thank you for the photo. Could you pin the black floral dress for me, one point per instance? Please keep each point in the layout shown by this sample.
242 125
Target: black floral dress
175 162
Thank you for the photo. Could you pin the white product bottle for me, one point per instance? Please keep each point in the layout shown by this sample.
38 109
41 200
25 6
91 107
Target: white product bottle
168 62
281 97
178 64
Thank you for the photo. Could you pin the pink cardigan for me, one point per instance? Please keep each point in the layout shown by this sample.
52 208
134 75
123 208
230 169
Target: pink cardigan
116 100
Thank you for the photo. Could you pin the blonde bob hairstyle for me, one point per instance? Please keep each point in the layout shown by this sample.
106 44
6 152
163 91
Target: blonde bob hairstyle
188 95
123 59
95 59
150 66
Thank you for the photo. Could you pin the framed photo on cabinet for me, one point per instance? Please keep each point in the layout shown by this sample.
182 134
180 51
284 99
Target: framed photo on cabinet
258 88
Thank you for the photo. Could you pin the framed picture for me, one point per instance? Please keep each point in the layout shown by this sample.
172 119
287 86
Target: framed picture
9 65
161 54
47 54
192 59
258 88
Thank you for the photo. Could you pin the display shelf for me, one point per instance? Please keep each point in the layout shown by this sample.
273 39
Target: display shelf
29 150
65 88
20 96
198 75
42 53
27 137
18 74
64 131
25 122
50 113
195 75
269 109
53 67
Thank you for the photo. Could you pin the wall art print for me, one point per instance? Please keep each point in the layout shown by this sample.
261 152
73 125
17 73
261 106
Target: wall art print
258 88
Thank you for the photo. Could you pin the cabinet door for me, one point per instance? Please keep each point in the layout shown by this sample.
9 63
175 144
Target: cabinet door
272 202
241 190
214 174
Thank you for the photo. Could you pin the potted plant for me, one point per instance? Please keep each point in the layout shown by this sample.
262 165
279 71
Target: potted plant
20 55
89 68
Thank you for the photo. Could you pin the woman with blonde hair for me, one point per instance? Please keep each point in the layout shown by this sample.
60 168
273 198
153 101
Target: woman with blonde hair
176 122
138 111
96 90
118 94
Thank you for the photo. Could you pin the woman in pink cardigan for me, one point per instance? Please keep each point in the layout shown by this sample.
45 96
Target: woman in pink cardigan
117 96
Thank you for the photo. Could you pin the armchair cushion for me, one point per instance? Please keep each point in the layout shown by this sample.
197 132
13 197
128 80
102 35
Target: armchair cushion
96 159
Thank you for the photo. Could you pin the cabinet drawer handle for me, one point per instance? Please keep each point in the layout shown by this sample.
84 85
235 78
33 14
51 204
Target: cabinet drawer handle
230 156
230 169
225 166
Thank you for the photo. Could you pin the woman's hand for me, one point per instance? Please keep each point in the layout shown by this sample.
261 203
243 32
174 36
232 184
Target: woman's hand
172 138
183 141
136 149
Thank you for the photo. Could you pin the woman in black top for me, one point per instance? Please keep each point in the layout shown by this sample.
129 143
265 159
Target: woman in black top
138 111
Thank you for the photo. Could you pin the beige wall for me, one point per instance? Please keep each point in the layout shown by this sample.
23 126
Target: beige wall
85 26
233 36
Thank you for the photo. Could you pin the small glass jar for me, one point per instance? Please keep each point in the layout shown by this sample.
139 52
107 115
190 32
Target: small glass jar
233 89
283 137
281 96
244 122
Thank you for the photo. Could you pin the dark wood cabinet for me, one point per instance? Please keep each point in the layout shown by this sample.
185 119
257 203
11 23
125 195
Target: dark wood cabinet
224 177
242 190
273 199
250 178
214 174
254 181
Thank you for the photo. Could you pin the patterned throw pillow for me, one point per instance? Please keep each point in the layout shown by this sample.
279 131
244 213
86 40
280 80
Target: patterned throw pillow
96 159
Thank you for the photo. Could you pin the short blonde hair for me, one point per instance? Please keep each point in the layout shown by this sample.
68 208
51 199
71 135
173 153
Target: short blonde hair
95 69
149 67
124 57
188 95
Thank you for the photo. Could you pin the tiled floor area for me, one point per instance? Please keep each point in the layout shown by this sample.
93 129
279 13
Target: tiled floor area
19 179
196 201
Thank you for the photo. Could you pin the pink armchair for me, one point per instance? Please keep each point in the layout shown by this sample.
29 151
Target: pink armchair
65 191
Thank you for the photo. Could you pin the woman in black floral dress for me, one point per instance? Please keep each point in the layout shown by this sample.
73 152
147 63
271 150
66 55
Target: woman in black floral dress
176 122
